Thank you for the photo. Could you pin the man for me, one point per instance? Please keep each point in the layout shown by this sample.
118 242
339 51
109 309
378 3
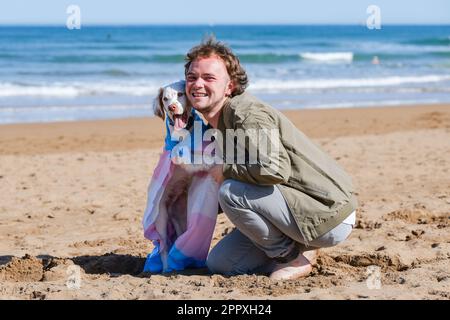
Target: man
284 215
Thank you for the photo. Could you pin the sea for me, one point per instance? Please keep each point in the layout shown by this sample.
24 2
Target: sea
51 73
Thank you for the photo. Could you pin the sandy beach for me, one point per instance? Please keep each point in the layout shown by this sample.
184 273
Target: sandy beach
73 194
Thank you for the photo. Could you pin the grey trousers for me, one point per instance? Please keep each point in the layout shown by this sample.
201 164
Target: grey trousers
265 230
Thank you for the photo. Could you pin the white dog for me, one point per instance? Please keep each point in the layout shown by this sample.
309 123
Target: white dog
182 193
172 102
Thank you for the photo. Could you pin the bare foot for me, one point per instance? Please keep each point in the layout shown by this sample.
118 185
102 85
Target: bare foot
297 268
311 255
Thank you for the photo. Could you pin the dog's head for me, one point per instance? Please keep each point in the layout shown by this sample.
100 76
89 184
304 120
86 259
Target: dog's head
172 103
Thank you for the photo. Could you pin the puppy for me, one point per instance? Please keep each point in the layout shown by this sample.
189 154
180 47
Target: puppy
172 103
171 219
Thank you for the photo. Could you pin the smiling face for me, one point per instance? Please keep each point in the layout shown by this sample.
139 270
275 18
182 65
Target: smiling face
208 84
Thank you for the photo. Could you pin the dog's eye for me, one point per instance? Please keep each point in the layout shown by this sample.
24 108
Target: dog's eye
165 99
180 94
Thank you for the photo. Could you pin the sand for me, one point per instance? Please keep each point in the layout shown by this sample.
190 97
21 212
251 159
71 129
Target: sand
72 197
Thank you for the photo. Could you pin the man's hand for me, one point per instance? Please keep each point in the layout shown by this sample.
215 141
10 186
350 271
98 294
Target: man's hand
216 173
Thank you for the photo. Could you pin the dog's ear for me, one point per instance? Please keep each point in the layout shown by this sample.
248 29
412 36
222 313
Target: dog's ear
158 108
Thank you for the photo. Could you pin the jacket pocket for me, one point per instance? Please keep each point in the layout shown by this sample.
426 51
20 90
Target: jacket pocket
314 192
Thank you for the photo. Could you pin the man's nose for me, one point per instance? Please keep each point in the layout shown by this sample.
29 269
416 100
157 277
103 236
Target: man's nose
198 83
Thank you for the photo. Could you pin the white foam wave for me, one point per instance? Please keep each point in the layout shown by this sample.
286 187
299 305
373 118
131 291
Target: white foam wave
77 108
380 103
150 89
327 56
277 85
77 89
71 113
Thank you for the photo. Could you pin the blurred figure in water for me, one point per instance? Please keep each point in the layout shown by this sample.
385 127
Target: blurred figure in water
375 60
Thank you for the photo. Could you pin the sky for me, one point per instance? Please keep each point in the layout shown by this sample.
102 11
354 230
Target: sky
225 11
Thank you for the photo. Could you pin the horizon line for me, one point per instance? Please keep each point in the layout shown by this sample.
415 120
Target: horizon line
113 24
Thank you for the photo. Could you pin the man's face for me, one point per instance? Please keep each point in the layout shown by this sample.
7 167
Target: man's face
208 84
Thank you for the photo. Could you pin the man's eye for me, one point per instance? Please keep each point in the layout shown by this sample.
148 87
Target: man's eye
190 78
180 94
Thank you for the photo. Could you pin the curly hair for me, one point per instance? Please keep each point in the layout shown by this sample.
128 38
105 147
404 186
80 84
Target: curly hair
212 47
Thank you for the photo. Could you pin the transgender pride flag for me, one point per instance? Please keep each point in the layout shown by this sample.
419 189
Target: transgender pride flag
189 249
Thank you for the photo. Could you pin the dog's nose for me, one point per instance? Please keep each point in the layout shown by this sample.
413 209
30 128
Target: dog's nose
172 107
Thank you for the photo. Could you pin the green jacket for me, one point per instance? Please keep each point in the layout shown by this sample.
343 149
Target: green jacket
318 191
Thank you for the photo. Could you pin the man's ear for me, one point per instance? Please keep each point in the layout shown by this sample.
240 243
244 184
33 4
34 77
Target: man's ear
158 108
230 88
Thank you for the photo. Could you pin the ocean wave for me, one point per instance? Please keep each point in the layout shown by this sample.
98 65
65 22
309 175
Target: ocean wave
267 57
71 73
43 109
378 103
277 85
256 58
71 113
285 57
246 57
14 90
384 56
431 41
76 89
397 56
91 112
327 56
71 90
8 56
246 45
101 58
170 58
124 47
444 54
